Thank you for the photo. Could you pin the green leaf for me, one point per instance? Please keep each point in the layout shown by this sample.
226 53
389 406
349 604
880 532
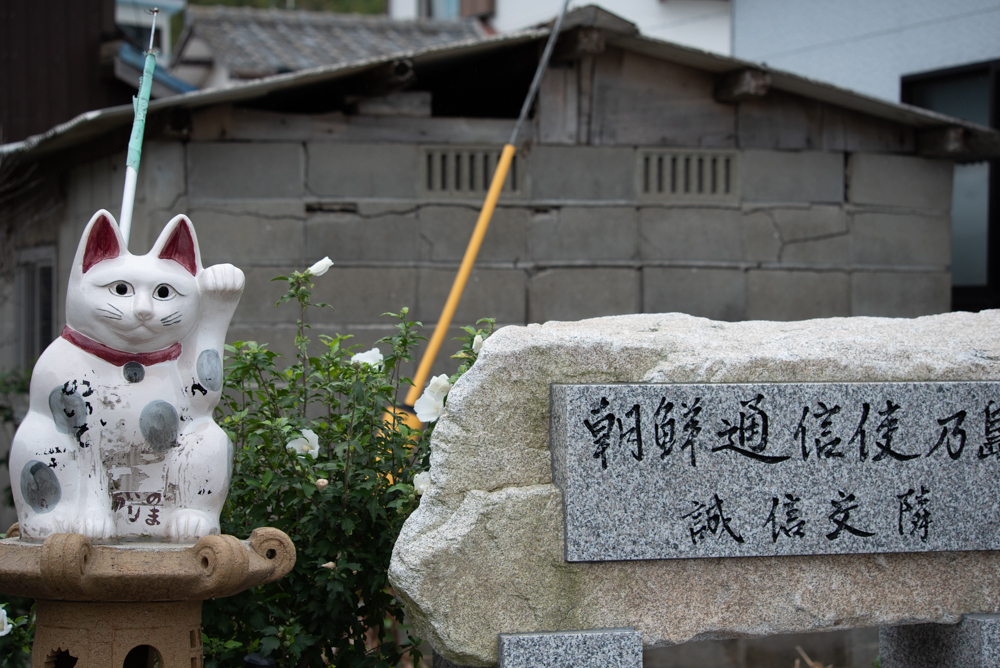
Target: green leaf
268 645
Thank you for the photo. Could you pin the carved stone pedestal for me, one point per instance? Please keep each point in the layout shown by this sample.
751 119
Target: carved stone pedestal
118 634
126 606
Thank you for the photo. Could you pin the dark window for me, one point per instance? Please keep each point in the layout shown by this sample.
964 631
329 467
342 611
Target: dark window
36 302
969 93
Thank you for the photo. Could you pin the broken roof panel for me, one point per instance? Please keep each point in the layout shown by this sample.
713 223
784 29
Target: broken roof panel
253 43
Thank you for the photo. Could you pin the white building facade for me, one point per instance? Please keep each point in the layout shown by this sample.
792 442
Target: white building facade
863 45
943 56
703 24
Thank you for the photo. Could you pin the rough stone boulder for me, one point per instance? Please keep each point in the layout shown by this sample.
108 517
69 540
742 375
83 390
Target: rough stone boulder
483 554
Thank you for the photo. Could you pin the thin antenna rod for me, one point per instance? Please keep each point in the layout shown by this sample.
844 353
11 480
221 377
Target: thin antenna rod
536 82
152 29
139 103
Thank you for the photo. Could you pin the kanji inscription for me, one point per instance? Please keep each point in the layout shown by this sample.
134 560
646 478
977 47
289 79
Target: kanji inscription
727 470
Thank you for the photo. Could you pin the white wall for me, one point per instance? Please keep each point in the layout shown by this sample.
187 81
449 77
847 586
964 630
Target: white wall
402 9
866 45
703 24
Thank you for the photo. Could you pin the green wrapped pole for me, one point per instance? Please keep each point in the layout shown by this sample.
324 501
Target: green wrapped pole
140 104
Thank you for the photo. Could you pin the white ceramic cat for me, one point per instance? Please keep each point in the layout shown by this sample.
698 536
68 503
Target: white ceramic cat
119 441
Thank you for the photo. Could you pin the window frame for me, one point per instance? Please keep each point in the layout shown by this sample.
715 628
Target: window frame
31 342
974 298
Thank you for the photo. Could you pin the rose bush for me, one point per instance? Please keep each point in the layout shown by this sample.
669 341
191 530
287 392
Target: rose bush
16 632
322 454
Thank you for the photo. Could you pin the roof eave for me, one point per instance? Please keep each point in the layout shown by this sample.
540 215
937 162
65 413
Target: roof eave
92 123
980 142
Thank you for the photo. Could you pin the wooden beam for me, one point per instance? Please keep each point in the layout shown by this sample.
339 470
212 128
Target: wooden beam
958 143
384 79
746 84
947 142
576 44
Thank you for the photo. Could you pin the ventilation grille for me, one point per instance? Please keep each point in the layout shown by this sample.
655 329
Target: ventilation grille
466 172
687 175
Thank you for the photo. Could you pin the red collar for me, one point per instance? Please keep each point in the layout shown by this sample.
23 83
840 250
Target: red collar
120 357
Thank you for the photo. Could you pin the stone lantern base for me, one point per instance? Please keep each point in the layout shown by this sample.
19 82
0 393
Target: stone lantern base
128 635
130 605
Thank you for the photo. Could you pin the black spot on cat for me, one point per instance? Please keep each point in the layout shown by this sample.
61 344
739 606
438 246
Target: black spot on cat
69 410
40 487
159 424
103 423
210 369
133 372
79 435
89 391
198 388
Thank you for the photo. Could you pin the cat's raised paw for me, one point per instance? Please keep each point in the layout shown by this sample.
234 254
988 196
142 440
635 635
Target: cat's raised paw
223 279
190 525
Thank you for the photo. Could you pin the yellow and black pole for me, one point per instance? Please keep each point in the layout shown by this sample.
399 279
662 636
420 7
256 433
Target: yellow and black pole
499 176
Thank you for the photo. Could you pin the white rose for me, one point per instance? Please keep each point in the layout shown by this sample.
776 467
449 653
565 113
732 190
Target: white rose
477 343
439 386
307 445
422 482
430 404
322 483
372 357
428 407
5 626
320 267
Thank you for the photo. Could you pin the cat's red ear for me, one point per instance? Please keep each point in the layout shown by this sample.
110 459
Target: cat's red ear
177 242
103 241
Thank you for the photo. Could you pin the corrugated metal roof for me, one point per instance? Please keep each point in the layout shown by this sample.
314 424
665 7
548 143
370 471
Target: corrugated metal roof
986 140
253 43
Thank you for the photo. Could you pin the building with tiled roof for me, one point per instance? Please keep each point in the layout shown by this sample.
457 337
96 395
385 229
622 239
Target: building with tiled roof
221 45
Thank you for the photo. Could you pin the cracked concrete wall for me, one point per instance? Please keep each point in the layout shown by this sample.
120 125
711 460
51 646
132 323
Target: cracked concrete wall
807 234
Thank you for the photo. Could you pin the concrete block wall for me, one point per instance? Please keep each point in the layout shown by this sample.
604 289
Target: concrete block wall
811 234
807 234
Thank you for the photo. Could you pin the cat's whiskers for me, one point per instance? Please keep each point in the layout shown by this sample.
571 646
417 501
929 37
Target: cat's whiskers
171 319
111 315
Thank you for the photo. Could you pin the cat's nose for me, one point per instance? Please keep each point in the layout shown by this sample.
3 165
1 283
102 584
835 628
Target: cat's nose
142 307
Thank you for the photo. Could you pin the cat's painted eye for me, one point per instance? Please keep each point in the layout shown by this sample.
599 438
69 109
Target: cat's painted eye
163 292
121 289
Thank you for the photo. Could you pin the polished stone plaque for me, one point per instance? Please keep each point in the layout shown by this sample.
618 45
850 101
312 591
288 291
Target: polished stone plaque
598 648
665 471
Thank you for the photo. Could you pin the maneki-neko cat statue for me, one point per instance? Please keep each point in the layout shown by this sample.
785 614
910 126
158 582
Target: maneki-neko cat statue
119 443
